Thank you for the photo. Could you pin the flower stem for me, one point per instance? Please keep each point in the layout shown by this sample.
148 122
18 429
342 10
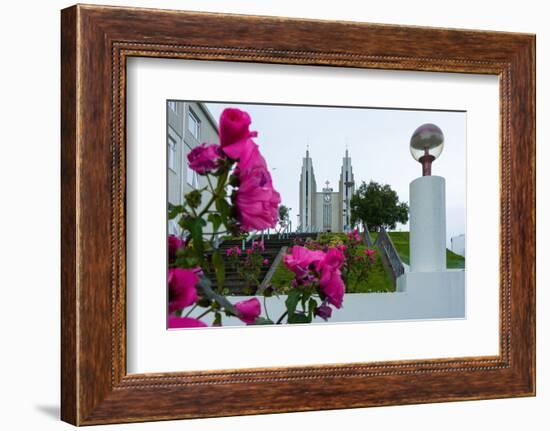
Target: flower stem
221 185
281 318
205 313
190 311
210 183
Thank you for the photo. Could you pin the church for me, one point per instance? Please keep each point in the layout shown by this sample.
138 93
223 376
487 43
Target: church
327 210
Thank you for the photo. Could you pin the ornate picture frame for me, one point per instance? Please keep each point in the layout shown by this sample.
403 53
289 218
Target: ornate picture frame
96 41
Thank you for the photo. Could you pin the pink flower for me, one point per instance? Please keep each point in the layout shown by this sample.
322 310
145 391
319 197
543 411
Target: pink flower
333 260
324 312
332 285
251 157
198 271
249 310
229 251
184 322
174 244
266 261
369 252
205 158
330 282
237 250
256 201
234 133
354 235
182 290
249 251
258 244
300 259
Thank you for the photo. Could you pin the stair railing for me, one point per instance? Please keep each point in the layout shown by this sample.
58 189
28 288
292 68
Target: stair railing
271 271
385 244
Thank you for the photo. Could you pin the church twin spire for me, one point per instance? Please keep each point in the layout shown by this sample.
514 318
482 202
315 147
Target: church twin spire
327 210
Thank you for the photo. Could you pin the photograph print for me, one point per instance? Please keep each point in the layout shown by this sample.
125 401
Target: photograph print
294 214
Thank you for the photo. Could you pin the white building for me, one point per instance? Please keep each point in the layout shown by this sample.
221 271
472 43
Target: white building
188 124
327 210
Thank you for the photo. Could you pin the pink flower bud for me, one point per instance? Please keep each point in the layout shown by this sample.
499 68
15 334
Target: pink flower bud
249 310
324 312
205 158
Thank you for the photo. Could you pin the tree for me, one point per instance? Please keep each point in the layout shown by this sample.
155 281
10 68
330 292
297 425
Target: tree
376 205
283 216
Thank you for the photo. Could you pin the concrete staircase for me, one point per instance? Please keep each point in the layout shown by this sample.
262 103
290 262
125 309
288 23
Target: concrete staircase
272 246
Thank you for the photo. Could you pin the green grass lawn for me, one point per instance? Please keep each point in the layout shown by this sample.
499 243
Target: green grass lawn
401 242
455 261
378 280
373 236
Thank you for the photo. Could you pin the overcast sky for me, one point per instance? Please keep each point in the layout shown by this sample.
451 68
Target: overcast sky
378 142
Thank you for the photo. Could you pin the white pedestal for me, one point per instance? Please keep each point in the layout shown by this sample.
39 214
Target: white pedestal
427 225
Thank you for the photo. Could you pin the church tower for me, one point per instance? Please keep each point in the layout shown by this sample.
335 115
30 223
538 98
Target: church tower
346 189
308 189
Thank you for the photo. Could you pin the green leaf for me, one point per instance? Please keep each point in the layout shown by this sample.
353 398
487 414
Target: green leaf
219 268
186 259
195 225
216 221
304 299
177 209
292 301
204 303
193 198
311 309
222 206
263 321
298 318
234 180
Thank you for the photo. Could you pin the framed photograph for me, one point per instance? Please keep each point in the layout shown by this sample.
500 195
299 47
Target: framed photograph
338 209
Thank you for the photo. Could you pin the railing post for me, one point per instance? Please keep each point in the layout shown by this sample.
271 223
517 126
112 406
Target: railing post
385 243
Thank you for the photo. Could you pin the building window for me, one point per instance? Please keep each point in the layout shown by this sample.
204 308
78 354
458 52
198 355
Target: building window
173 105
192 178
194 125
327 216
171 153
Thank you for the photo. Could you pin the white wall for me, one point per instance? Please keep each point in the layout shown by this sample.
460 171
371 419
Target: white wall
29 167
458 244
419 296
